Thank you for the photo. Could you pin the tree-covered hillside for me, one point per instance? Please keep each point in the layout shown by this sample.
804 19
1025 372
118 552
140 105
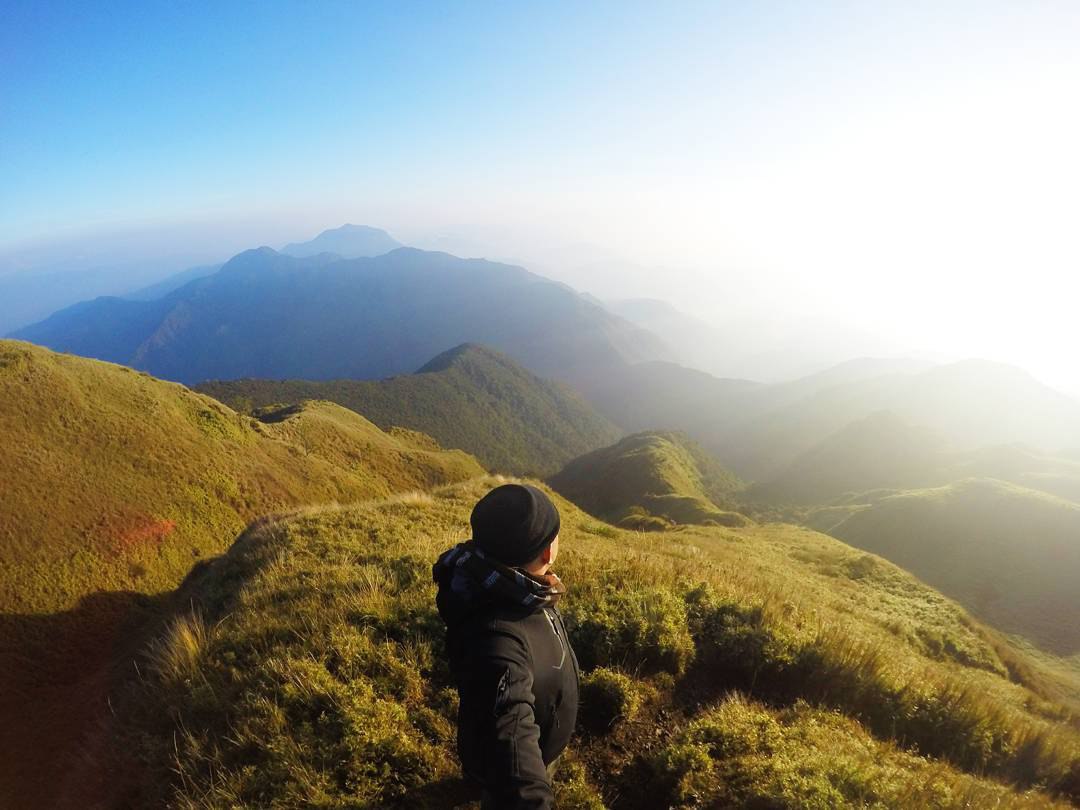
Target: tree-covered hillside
470 397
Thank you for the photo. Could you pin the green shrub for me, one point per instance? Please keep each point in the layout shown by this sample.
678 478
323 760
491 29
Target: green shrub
682 772
638 519
607 697
736 728
637 629
572 788
741 754
738 640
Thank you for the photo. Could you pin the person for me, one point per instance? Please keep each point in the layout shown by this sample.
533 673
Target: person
509 654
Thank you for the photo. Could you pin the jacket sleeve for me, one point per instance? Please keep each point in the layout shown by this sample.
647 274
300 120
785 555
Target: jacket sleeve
498 708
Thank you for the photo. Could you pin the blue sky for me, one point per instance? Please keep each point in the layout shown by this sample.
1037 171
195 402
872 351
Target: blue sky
905 168
121 111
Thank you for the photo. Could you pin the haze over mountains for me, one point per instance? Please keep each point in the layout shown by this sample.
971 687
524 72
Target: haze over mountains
334 364
267 314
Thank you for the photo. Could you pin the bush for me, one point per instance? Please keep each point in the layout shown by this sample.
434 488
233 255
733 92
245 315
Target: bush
738 640
637 629
572 788
683 773
607 697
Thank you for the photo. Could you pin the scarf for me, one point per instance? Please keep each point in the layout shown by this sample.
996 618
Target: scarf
474 577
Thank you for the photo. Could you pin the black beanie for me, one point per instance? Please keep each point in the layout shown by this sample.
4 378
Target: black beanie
514 523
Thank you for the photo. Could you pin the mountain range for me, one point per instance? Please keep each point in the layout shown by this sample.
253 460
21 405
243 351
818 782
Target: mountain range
267 314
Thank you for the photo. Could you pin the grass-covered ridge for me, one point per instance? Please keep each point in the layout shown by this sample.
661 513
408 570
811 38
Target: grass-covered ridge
650 480
113 479
1010 554
304 668
470 397
113 485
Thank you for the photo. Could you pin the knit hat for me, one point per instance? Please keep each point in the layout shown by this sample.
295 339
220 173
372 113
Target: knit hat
514 523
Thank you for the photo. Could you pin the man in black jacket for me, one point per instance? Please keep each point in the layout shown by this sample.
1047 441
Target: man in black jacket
510 657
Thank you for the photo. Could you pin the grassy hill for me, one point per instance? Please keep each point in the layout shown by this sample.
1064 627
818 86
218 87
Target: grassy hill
113 479
650 480
1010 554
114 484
268 314
470 397
763 666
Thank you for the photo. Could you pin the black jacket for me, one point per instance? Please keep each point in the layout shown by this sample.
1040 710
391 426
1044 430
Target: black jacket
517 678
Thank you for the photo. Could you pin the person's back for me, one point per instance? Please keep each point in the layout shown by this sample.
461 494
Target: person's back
511 660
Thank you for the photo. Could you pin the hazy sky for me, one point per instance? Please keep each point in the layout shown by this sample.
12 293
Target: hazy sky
906 169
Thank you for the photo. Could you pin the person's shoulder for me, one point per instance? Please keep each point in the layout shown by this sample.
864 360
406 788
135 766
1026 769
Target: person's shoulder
503 634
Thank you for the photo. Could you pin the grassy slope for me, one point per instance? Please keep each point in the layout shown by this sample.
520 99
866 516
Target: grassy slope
1012 555
113 479
304 668
114 484
650 479
469 397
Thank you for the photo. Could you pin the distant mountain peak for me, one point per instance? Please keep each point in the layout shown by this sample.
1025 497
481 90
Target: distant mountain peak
348 241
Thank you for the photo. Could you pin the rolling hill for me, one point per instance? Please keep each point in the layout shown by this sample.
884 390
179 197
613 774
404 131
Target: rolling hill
650 481
1009 554
114 484
470 397
763 666
267 314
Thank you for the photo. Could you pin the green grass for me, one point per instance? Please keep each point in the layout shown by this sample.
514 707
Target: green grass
470 398
115 480
1010 554
113 485
305 668
651 481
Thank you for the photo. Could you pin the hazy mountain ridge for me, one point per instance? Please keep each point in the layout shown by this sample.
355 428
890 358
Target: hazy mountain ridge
266 314
469 397
758 430
883 451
